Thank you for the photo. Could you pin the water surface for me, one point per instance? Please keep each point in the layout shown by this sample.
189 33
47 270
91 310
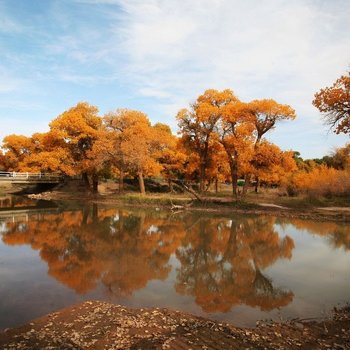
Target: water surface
233 268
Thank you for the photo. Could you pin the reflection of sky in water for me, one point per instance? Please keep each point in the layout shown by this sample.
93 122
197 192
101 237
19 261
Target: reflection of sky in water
317 273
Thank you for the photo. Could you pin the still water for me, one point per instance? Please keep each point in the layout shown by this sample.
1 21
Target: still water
232 268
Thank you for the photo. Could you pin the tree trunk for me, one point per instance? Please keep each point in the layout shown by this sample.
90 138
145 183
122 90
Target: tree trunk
234 179
94 183
247 179
232 160
170 184
94 213
257 185
208 186
188 189
201 177
202 165
216 185
121 181
86 180
141 183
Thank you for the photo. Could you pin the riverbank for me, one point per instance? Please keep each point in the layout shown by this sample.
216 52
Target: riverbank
100 325
264 204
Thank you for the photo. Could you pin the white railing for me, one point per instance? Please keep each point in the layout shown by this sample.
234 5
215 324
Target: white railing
13 175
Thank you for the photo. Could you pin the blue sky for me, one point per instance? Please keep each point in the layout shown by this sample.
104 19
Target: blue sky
158 56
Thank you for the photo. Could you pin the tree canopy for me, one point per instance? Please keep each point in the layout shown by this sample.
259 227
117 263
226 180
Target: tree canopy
334 102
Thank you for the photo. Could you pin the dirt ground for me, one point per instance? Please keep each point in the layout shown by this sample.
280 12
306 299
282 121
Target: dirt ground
99 325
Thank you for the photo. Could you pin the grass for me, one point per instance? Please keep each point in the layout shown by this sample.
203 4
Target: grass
224 199
167 199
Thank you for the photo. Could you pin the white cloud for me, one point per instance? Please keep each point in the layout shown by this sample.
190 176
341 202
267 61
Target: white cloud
277 49
163 53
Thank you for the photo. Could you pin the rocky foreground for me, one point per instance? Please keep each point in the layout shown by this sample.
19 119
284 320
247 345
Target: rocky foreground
99 325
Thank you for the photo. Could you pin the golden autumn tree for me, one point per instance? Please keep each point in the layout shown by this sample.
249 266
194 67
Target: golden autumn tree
235 133
197 126
77 129
17 148
266 113
334 103
219 169
169 154
48 154
340 159
135 143
271 165
2 161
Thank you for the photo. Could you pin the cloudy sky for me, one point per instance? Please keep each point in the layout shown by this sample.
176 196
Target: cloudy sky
159 55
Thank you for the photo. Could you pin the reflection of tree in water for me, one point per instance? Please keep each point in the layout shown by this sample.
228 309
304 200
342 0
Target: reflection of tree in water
221 263
338 234
81 248
222 260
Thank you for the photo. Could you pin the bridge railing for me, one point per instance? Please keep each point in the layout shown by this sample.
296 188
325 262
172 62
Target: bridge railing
29 176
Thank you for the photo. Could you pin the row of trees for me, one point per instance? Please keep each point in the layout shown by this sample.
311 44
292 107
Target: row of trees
220 139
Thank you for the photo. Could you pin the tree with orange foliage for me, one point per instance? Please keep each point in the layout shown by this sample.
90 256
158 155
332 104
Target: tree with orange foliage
136 143
235 133
334 102
16 147
340 158
271 165
77 129
170 154
48 154
266 113
197 126
2 161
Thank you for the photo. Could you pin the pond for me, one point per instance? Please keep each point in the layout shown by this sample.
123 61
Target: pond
232 268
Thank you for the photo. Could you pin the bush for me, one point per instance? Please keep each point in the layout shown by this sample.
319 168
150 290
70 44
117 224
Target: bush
321 181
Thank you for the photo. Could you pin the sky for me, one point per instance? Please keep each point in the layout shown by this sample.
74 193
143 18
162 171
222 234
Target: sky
158 56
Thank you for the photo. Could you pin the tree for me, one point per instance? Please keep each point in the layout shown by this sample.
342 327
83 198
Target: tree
271 165
341 157
197 126
334 102
266 113
76 130
170 154
16 147
48 154
136 143
235 133
2 161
